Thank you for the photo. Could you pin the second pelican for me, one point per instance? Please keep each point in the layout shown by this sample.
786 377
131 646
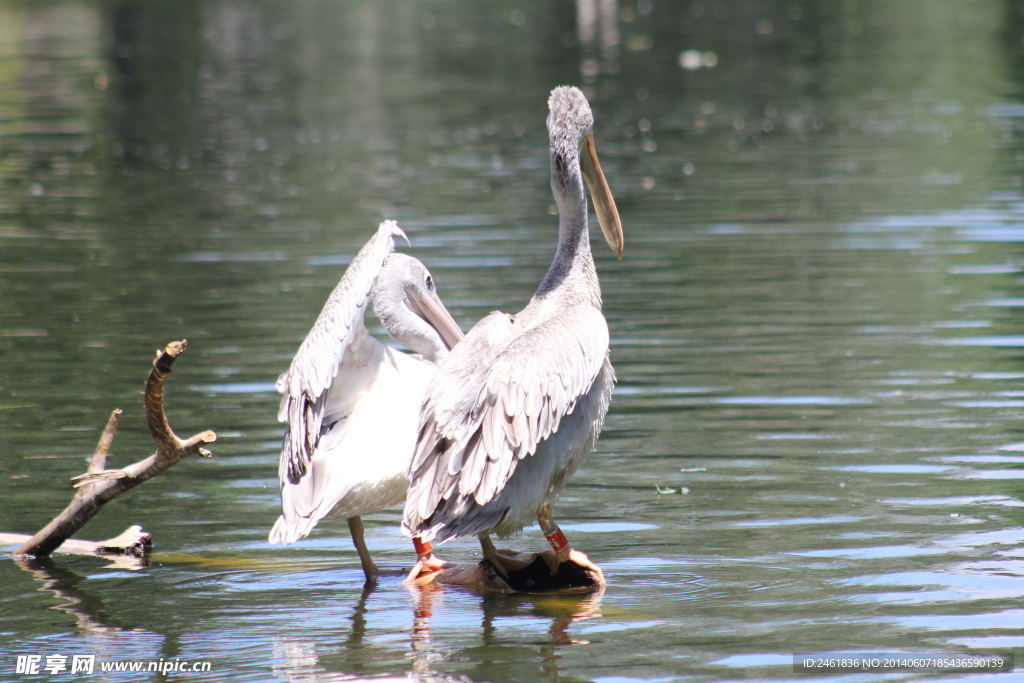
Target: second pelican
351 404
516 406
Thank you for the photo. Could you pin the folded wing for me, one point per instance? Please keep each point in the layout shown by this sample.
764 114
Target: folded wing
497 396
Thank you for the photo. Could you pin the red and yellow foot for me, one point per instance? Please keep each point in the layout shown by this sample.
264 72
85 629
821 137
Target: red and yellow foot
427 566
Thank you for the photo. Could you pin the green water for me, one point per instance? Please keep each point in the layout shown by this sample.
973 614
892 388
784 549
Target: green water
817 322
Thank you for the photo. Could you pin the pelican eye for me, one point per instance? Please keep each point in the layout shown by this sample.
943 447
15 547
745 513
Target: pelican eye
430 282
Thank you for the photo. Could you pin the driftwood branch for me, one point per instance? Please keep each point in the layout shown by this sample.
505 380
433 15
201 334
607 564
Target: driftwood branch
128 549
98 485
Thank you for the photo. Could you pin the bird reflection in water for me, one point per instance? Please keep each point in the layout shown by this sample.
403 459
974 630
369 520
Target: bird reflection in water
562 610
297 660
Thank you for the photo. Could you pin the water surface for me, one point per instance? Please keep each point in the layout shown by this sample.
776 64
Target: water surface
816 323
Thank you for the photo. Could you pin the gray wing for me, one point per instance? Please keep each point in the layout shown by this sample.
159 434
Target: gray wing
493 400
313 370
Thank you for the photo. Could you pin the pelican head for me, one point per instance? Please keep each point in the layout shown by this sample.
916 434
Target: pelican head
405 299
571 132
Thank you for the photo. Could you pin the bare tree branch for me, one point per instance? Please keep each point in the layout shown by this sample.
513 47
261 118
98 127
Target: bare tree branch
98 486
99 457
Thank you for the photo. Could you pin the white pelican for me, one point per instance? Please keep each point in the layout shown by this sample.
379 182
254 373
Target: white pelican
351 404
516 406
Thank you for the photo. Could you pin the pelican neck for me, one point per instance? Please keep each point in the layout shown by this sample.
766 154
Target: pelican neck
572 274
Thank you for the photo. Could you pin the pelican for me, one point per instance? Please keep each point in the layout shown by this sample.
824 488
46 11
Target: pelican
350 403
516 406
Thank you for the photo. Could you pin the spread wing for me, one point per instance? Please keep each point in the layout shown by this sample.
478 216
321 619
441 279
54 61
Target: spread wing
493 400
313 370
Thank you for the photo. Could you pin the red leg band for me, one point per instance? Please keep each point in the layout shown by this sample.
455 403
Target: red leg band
557 540
422 548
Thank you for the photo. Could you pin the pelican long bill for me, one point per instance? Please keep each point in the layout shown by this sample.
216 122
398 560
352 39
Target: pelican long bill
601 194
430 308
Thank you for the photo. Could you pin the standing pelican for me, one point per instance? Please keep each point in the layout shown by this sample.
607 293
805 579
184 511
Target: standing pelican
516 406
351 404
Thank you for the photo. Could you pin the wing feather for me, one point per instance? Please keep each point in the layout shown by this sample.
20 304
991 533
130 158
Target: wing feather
493 400
306 384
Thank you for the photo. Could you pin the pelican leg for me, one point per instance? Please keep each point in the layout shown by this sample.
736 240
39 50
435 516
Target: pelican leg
504 561
559 543
559 570
563 551
355 527
426 564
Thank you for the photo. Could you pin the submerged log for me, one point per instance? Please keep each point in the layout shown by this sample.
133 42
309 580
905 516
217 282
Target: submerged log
98 486
533 575
132 544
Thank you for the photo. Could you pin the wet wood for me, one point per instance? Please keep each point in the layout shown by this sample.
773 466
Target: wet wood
98 486
131 543
577 574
